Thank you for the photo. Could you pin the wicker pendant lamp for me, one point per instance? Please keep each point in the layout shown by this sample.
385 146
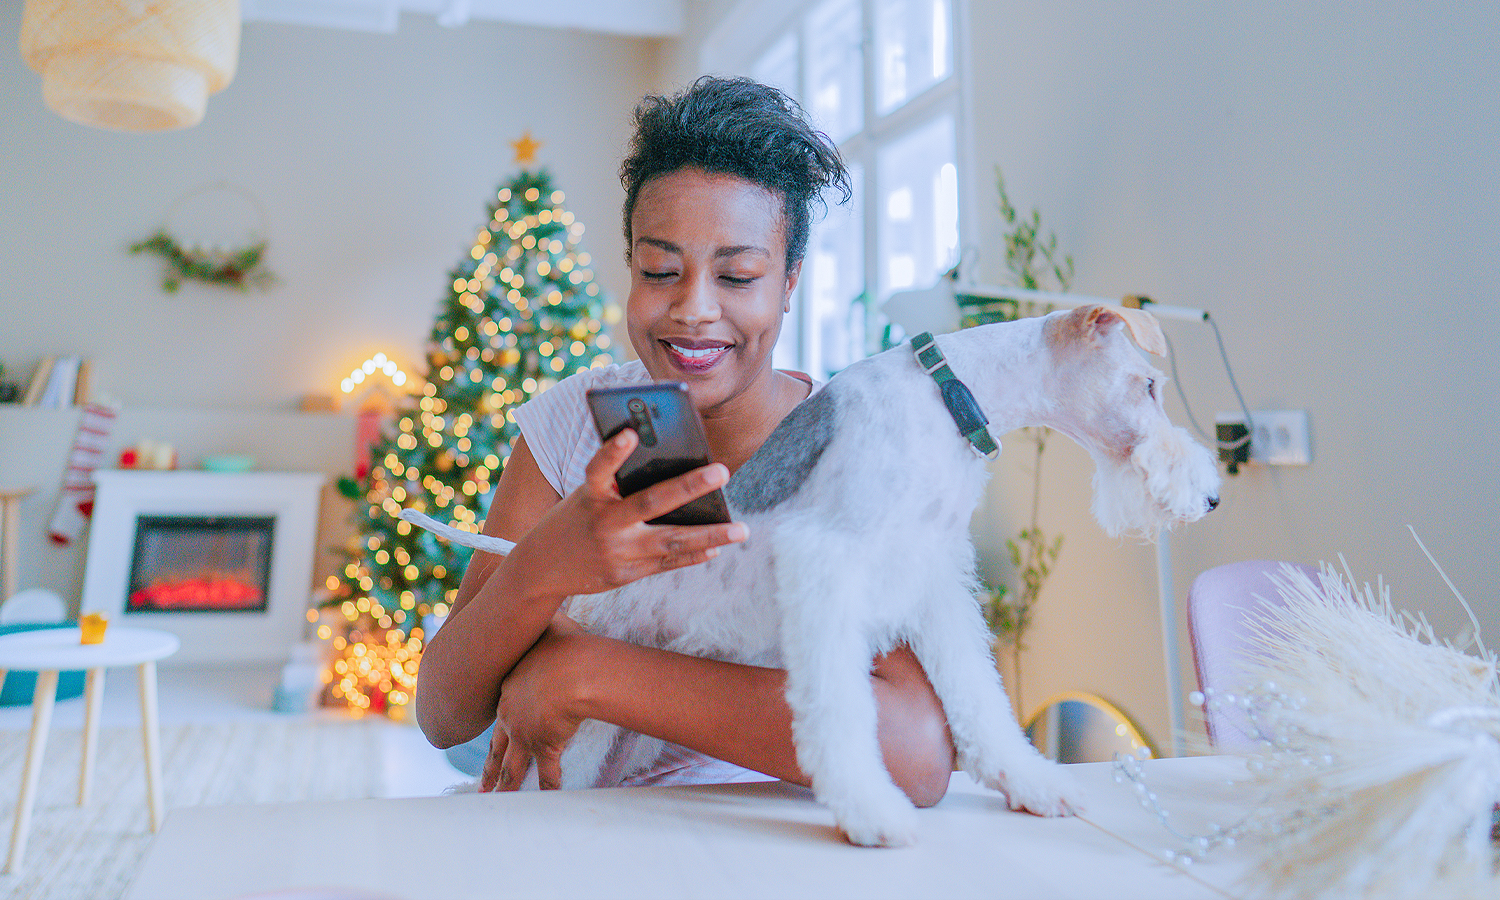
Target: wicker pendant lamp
131 65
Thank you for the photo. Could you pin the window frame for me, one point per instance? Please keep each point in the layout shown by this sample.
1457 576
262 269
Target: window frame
750 30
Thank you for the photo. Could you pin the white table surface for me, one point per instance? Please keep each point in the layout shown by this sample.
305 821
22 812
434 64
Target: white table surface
718 841
59 648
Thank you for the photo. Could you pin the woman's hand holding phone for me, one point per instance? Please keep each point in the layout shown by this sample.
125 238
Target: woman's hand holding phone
603 540
591 541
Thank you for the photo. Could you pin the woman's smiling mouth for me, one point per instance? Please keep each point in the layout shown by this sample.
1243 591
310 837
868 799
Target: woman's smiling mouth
696 356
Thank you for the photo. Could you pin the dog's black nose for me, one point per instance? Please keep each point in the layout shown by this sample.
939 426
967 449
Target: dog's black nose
1213 503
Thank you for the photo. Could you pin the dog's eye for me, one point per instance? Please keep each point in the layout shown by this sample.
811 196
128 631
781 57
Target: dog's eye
1151 387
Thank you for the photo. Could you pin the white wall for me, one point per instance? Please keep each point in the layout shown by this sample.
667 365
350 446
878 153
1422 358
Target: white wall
372 156
1325 179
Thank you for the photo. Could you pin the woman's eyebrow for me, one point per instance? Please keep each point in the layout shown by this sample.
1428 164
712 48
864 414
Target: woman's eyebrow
720 253
724 252
668 246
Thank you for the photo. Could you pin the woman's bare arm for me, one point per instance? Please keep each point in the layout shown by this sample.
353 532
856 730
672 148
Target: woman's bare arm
733 712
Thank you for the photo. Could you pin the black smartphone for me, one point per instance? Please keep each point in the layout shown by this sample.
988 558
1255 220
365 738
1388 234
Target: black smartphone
671 443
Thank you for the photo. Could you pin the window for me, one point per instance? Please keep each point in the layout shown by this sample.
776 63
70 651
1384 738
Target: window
879 77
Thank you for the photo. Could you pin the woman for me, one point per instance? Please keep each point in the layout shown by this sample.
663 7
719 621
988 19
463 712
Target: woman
719 189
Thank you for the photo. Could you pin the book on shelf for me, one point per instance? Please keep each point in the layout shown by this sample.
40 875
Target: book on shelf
38 382
81 390
60 382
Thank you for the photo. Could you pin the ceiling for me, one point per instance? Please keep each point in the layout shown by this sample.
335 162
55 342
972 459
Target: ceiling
639 18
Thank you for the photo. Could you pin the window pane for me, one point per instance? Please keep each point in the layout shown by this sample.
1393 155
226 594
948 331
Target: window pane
833 279
778 66
917 217
913 48
835 61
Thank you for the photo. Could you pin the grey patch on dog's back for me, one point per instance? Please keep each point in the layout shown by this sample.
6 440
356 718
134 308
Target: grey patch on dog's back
787 457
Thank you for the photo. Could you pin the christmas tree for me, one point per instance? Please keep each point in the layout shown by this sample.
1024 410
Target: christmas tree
522 311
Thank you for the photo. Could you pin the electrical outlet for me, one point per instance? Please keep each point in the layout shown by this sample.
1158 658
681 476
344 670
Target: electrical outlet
1234 444
1278 437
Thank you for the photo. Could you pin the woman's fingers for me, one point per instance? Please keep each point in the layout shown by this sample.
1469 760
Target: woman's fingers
686 545
513 766
600 540
599 474
665 496
549 770
489 777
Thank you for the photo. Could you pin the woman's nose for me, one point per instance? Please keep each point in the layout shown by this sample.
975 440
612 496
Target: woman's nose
695 302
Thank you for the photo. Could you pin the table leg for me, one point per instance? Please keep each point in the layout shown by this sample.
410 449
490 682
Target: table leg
10 535
150 736
41 721
93 699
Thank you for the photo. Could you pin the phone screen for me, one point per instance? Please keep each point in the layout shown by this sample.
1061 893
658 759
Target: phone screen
671 443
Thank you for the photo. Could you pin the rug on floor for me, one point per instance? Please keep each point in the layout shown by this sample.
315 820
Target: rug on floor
92 851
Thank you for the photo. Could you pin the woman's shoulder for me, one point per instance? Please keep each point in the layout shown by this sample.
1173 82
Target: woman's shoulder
570 390
814 384
558 427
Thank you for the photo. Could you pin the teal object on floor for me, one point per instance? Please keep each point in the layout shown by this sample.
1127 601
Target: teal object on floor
20 686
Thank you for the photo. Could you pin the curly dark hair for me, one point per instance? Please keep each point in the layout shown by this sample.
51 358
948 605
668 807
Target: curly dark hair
736 126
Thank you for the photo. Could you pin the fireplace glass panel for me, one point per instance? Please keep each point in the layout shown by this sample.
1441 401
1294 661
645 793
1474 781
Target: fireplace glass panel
201 564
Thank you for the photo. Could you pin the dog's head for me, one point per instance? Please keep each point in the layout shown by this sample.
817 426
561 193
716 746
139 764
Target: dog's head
1150 474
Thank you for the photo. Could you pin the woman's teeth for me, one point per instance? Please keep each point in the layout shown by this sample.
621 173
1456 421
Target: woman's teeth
697 359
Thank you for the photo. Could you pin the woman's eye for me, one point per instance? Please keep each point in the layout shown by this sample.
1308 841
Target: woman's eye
738 280
656 276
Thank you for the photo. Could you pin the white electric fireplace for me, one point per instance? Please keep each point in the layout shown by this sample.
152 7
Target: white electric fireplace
223 561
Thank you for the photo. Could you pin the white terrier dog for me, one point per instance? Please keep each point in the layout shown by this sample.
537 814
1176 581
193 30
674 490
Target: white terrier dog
858 508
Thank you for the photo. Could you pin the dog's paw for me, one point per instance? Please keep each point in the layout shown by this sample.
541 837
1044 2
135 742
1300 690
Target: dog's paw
1039 786
871 813
892 828
463 787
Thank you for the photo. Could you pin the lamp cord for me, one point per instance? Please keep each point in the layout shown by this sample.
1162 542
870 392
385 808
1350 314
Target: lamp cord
1228 370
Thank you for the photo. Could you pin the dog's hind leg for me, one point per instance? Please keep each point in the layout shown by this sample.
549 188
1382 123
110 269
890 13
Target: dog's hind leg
827 653
952 645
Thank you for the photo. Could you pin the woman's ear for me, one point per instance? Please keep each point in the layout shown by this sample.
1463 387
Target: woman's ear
794 273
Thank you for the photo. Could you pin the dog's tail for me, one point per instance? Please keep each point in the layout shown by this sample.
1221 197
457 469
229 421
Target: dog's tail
458 536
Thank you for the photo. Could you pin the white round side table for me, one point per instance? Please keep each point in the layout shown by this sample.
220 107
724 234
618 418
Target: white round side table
52 650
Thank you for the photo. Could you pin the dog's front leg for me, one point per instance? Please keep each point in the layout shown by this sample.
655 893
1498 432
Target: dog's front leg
827 653
583 759
953 647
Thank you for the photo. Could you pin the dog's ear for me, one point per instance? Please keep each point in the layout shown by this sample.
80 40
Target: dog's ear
1144 329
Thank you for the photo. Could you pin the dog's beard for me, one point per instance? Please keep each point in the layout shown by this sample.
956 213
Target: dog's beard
1168 479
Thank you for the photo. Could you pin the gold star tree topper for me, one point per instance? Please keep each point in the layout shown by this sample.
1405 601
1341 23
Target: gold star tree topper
526 148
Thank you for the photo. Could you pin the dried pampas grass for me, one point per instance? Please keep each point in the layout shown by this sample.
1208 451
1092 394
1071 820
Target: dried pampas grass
1381 758
1378 771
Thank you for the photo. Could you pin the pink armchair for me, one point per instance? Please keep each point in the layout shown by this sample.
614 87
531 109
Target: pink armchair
1222 603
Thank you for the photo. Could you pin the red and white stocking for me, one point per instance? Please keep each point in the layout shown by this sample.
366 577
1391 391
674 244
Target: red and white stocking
75 502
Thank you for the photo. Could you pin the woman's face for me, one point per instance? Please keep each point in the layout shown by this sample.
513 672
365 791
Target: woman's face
708 282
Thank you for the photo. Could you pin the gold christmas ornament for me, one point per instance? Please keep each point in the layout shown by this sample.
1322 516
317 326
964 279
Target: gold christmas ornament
131 65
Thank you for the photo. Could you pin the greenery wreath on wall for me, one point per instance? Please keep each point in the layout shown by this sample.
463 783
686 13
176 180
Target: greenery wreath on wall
241 268
207 209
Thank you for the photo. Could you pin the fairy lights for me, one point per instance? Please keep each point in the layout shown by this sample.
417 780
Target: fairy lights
377 363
